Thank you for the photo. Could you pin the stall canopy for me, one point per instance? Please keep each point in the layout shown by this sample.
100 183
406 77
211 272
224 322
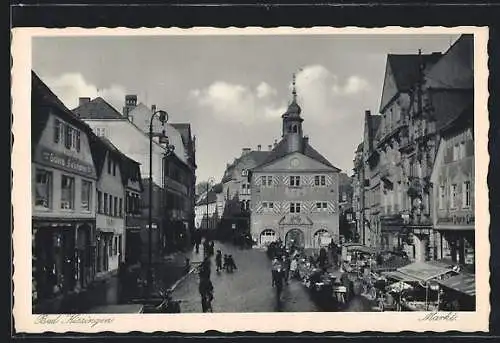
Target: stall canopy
397 275
360 248
423 271
464 283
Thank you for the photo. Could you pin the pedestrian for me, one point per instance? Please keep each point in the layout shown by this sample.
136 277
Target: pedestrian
218 261
206 289
211 248
231 263
276 265
205 268
226 262
286 267
294 264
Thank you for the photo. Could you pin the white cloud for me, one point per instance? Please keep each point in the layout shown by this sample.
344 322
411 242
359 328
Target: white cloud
321 94
353 85
265 90
69 87
239 103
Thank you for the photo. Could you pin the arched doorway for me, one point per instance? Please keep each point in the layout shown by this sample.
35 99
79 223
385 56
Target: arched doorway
321 238
295 237
267 236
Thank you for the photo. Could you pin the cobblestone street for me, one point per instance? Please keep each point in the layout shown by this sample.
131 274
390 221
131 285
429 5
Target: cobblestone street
249 289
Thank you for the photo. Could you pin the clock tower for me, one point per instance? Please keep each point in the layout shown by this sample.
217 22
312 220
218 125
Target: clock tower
292 123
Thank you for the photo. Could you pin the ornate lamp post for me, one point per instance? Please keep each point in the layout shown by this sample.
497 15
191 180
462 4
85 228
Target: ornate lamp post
163 117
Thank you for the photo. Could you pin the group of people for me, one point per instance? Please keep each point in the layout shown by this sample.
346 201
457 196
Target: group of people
224 263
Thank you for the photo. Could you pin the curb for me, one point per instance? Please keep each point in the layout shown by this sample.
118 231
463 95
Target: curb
184 277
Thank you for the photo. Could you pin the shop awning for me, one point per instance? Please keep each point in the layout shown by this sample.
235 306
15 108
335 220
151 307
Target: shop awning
424 271
464 283
396 275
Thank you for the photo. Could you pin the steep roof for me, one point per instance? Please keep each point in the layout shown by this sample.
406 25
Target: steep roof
455 70
97 109
185 131
256 155
281 150
406 68
41 99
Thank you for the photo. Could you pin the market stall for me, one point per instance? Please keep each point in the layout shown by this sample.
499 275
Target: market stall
424 278
459 292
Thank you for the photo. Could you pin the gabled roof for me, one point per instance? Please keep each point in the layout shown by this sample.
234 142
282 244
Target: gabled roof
97 109
256 155
406 68
42 98
281 150
41 92
185 131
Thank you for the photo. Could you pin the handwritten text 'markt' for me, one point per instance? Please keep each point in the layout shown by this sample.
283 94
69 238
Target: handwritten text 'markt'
436 316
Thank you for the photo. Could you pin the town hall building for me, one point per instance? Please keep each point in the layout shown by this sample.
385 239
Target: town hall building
294 191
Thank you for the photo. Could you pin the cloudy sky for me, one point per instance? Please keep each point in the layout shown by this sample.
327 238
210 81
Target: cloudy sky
233 89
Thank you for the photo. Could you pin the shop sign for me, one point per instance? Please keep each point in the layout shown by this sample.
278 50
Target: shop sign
66 162
457 219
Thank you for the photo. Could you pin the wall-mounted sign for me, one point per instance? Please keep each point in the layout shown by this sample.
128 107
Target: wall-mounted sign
68 163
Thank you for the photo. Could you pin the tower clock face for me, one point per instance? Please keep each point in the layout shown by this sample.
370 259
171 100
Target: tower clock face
294 162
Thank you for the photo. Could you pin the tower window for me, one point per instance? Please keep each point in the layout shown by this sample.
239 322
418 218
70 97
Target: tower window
294 129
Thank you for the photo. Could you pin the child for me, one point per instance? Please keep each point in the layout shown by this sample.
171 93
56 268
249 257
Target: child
231 263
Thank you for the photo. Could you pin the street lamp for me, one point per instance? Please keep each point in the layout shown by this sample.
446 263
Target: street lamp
163 117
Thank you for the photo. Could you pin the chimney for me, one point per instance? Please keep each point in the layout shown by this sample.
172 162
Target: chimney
275 143
259 147
130 104
245 151
270 147
153 108
82 101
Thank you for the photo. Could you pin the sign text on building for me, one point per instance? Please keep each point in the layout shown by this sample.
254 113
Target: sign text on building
66 162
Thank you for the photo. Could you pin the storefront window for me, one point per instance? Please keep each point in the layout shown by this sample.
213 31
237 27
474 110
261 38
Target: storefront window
86 195
67 192
43 188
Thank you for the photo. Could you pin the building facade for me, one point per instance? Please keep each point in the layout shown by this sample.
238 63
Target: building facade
209 209
420 94
134 220
179 172
63 197
110 218
173 211
236 192
294 191
453 189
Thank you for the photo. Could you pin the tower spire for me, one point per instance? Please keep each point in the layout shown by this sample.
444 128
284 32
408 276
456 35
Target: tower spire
294 90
